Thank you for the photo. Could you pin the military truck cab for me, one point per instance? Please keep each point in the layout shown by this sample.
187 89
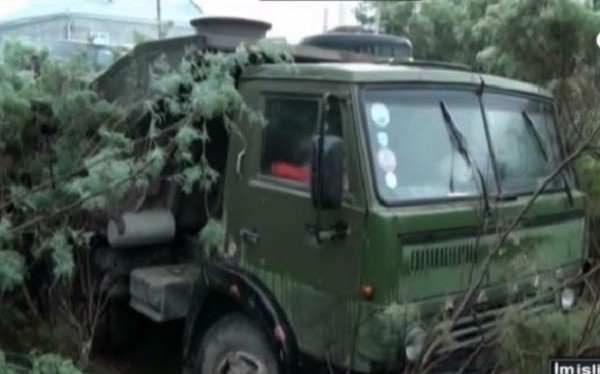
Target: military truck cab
358 215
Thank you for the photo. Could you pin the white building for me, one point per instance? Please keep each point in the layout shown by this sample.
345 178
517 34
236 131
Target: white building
101 21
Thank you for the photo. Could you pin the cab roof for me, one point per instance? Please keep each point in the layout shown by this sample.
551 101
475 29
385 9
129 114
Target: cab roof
388 73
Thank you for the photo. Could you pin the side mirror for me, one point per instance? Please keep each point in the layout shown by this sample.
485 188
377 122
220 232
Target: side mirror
327 172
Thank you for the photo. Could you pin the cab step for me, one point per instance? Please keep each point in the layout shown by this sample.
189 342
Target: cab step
163 293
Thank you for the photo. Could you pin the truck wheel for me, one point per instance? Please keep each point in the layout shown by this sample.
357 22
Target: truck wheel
235 345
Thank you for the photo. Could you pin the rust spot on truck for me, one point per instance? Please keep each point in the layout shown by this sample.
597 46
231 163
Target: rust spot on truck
234 291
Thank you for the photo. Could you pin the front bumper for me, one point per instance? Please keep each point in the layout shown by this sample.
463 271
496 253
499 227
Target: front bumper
381 339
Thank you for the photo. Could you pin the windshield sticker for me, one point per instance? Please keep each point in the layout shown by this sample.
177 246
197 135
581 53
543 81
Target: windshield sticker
390 180
387 160
380 114
382 139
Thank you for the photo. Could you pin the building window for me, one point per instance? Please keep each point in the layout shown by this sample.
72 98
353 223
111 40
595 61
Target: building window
100 37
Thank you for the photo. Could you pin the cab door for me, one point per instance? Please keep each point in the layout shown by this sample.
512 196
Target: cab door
270 211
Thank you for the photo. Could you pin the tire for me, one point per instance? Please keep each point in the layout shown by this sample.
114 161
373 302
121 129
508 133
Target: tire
235 336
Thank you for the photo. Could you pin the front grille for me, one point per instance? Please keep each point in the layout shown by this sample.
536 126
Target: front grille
470 330
443 256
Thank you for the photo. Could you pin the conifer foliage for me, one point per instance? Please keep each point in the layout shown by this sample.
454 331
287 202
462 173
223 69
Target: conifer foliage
67 157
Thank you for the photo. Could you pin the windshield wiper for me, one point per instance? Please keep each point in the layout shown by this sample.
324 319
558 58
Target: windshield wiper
538 140
460 145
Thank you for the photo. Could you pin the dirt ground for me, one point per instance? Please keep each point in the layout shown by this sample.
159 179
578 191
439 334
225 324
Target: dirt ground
157 351
157 348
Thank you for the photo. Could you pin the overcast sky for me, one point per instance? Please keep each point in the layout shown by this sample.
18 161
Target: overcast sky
290 19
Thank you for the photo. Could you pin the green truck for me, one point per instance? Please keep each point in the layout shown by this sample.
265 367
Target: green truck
357 215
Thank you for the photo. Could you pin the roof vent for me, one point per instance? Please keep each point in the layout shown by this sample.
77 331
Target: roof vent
231 26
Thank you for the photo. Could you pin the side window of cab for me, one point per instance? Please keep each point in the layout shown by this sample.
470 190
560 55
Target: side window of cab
292 123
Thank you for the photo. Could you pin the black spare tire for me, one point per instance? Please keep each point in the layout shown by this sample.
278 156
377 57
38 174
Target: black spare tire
235 345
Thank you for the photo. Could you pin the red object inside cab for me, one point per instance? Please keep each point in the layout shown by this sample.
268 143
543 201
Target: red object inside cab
290 171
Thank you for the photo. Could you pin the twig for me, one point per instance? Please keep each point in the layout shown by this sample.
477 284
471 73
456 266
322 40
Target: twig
525 304
78 202
516 221
485 264
29 301
71 174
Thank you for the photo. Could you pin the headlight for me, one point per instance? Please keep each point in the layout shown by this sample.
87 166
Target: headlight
567 298
414 343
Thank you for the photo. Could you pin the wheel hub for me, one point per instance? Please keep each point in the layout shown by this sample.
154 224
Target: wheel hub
241 363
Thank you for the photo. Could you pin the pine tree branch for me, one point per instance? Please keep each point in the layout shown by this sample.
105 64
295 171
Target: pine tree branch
79 202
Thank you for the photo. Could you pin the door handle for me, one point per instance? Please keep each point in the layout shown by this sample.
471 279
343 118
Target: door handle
250 235
338 231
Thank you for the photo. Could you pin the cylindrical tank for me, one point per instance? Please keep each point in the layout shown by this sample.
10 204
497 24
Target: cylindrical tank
232 26
141 228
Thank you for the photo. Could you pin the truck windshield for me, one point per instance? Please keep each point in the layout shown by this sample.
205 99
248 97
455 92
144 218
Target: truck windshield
522 168
414 158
